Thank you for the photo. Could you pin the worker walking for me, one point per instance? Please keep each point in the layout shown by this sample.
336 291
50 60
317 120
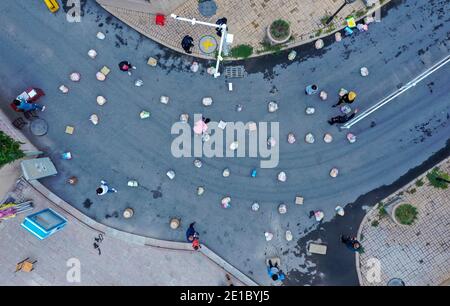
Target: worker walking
187 43
220 23
351 243
105 188
343 118
347 98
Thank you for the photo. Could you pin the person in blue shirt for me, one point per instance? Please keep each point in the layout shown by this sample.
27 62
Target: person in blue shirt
23 105
274 272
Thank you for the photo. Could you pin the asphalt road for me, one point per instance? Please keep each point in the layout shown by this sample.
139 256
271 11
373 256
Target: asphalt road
40 49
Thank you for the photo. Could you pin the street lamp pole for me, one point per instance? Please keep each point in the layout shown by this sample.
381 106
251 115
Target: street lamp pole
194 21
339 9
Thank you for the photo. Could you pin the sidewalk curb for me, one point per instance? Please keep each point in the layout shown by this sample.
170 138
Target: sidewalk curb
406 186
137 239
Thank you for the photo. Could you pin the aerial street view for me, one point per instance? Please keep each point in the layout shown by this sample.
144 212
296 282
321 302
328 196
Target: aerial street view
202 144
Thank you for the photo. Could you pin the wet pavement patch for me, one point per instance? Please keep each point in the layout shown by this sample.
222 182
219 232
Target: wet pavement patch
87 203
121 40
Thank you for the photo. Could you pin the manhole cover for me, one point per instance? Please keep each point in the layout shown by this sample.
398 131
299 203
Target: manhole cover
39 127
396 282
208 44
207 8
234 71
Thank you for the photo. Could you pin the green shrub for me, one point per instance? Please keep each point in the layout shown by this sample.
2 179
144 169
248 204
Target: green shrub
437 177
375 223
279 29
406 214
419 183
381 210
9 150
241 51
360 13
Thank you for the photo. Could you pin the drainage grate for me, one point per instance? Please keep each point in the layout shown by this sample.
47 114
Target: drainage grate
234 71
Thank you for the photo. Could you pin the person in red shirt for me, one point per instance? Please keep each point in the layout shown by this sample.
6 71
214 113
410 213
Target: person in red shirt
193 236
196 244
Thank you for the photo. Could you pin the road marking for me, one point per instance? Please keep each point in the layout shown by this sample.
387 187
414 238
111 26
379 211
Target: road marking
397 93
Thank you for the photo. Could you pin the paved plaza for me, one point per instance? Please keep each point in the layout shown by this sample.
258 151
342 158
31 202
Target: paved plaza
123 147
418 254
247 21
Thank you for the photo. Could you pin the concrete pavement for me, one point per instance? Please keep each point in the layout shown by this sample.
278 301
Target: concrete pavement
419 253
122 147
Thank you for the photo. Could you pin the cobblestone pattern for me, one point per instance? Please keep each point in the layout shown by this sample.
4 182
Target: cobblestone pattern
418 254
247 20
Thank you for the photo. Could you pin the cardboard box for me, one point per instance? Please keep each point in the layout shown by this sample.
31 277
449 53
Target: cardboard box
299 200
70 129
105 70
252 126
